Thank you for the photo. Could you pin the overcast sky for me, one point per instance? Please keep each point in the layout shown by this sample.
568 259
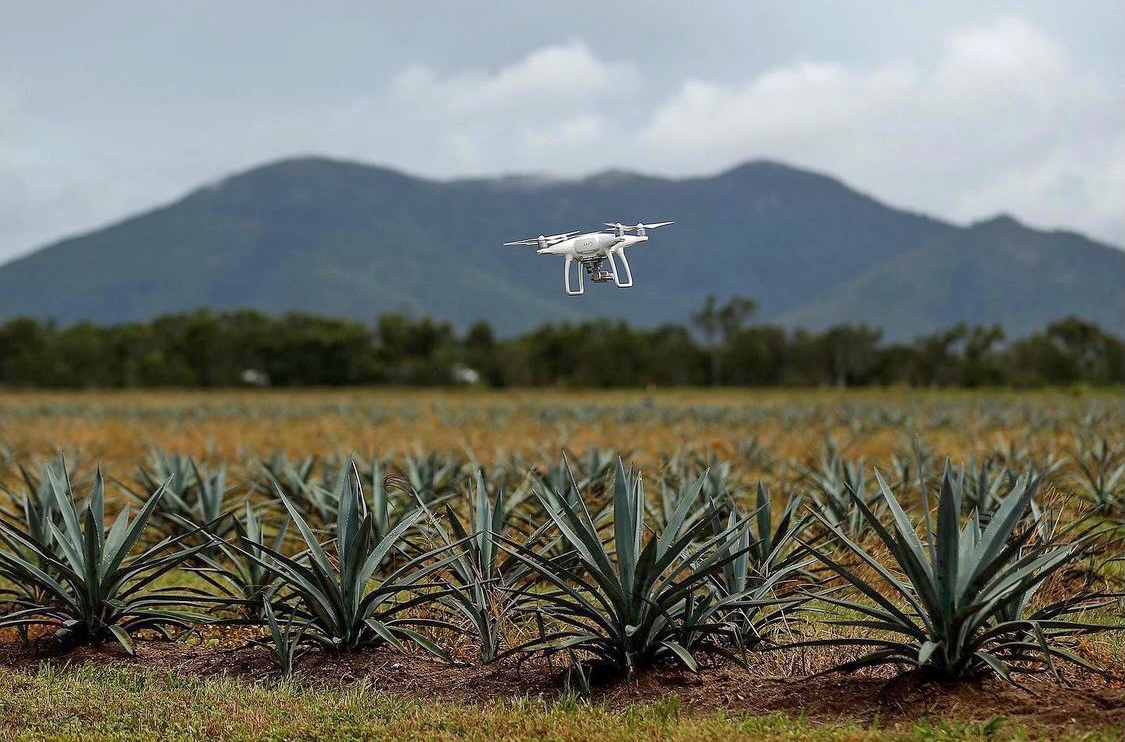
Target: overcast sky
958 109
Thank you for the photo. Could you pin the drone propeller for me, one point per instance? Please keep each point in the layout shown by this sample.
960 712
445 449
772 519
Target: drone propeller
631 227
541 240
620 229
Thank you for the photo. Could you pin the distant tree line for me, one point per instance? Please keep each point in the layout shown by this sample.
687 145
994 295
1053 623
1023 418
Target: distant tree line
719 347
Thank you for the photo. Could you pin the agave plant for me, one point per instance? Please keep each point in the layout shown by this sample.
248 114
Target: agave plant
949 614
292 475
241 576
630 605
310 487
1101 474
835 482
756 592
173 471
8 454
193 495
35 507
205 502
773 537
597 464
561 479
90 587
684 467
910 462
587 472
432 475
35 510
480 567
661 512
1016 456
755 453
392 499
1010 452
286 641
982 485
334 595
566 489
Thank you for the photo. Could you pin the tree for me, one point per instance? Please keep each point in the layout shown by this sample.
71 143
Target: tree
718 326
935 357
980 363
850 353
23 344
481 354
213 349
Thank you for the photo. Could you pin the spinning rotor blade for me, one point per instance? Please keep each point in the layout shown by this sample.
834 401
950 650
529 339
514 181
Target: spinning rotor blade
541 239
633 227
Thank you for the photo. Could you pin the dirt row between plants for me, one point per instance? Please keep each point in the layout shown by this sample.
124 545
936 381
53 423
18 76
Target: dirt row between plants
1082 701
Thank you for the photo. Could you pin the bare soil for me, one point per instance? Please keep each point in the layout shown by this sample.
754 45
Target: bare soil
1081 701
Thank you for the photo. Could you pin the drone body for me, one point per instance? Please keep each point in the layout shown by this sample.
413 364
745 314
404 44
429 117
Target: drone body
590 250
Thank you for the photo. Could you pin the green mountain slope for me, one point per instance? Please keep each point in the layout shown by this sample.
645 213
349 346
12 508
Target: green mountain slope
354 240
994 271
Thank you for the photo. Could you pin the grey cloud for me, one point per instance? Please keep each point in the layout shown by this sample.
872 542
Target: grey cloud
960 109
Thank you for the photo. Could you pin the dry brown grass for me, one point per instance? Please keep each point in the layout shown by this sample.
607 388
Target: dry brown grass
116 427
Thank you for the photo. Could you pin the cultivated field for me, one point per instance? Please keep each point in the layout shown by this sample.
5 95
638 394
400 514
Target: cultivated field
415 564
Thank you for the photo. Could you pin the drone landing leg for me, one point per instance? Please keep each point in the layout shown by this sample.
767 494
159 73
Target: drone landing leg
613 268
566 278
628 282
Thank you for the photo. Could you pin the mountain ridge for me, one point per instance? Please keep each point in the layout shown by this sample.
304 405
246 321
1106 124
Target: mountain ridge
339 237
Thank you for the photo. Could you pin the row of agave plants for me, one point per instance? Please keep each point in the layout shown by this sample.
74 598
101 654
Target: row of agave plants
977 413
1093 469
953 574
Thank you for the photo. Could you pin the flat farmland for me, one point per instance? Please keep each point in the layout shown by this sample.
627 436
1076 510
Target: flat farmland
124 426
683 564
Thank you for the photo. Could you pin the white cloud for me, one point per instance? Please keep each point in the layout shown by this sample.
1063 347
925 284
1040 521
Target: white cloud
1005 121
708 125
1078 185
540 112
568 133
1010 57
554 77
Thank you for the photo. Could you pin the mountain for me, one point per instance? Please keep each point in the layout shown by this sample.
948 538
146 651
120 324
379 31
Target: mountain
993 271
353 240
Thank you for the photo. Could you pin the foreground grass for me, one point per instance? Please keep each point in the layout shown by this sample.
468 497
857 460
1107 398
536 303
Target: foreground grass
108 704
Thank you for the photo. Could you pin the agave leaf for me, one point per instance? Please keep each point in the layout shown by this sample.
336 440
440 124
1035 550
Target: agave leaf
997 666
312 543
681 653
948 546
683 508
66 506
115 540
135 530
926 649
1000 527
122 637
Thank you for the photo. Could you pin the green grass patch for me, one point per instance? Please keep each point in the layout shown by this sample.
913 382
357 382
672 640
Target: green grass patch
111 704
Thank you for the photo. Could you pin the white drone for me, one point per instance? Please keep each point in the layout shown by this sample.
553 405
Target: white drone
590 250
